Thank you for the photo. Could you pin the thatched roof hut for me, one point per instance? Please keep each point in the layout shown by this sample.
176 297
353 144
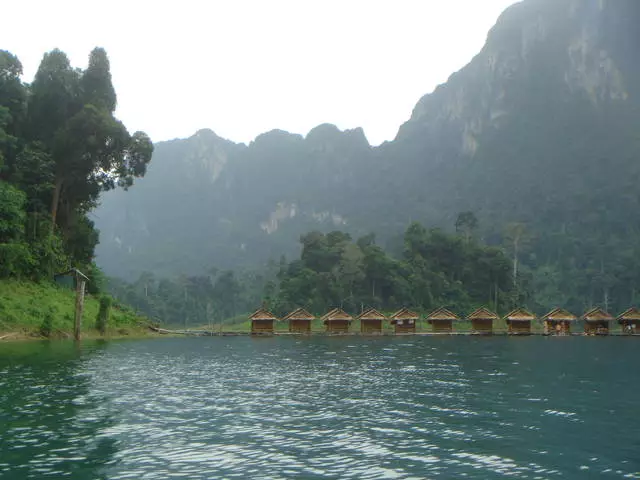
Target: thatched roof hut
482 320
337 320
560 315
299 314
371 321
442 314
262 321
404 320
442 320
630 321
632 313
596 321
519 321
558 321
299 321
597 314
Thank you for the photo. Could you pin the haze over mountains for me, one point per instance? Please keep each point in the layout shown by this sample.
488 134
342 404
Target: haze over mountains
540 128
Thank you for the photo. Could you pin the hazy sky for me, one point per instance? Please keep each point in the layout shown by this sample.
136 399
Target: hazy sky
243 67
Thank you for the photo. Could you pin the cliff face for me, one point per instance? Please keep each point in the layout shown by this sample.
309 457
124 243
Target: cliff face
540 127
537 47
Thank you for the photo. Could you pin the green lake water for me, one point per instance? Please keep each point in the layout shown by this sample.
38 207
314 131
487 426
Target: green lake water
349 407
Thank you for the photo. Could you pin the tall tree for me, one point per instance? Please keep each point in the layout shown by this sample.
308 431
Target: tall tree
12 109
71 112
517 236
466 223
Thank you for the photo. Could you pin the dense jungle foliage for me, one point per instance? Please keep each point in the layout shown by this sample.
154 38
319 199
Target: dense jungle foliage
60 148
434 269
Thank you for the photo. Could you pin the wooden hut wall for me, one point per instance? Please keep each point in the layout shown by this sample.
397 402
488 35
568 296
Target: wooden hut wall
405 326
557 327
442 326
630 327
370 326
300 326
337 326
600 327
262 326
521 327
482 325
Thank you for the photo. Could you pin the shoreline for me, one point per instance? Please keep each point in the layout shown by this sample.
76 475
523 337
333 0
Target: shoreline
154 333
31 336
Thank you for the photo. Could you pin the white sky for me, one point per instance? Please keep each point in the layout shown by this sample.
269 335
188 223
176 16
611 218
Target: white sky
243 67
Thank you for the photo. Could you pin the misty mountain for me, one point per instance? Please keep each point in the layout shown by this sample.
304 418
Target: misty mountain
540 128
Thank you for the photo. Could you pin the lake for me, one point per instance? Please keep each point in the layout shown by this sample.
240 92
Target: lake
320 407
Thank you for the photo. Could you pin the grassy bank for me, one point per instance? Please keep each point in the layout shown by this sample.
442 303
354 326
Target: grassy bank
24 306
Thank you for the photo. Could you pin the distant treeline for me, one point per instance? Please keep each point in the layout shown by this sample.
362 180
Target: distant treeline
436 268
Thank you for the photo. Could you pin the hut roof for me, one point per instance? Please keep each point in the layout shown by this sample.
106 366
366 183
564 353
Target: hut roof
560 314
405 314
442 314
632 313
336 314
482 313
371 314
520 315
597 314
299 314
262 314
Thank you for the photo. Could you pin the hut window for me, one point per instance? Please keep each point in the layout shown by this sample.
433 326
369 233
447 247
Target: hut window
399 322
410 322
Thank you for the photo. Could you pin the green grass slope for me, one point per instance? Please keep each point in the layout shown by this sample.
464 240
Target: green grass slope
24 305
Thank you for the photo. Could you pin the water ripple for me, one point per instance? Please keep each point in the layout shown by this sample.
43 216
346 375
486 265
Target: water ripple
317 408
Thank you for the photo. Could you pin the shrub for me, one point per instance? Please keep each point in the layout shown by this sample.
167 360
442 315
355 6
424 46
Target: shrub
47 325
102 319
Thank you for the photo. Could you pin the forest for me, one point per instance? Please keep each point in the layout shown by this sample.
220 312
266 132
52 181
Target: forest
60 148
434 269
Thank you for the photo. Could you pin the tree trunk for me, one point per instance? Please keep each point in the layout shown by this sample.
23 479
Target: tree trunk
55 201
515 264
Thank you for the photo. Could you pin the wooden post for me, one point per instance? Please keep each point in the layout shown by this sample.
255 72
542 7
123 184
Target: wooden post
79 306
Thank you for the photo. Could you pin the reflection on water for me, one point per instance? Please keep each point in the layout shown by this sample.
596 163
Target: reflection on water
46 428
321 408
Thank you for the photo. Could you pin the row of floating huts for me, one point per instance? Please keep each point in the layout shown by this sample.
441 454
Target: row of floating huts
519 321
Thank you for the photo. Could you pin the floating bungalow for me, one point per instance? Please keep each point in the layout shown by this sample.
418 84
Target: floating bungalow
519 321
558 322
371 321
442 320
482 321
630 321
262 321
404 321
596 322
337 321
299 321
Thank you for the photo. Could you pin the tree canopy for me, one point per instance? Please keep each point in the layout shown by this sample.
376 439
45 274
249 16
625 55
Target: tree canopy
60 148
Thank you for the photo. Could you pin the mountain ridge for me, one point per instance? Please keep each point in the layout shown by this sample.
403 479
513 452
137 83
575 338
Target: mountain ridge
538 129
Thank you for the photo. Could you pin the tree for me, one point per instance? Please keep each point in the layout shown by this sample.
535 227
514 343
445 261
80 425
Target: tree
12 109
517 235
71 113
15 257
466 223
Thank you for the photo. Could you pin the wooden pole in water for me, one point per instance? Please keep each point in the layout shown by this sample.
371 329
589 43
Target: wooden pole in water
79 306
80 283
